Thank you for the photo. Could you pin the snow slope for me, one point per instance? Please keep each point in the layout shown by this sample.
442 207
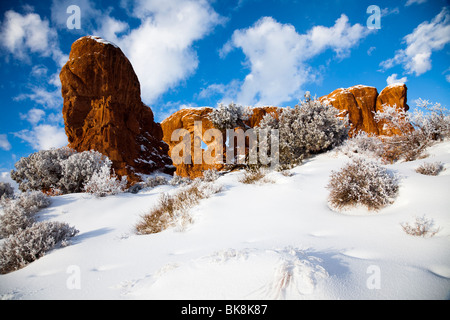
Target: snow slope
275 240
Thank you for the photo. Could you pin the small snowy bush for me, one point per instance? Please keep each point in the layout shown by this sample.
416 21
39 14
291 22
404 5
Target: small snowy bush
173 210
415 131
179 180
155 181
254 174
19 213
307 129
41 170
229 116
210 175
363 145
6 190
78 169
430 169
103 183
422 227
32 243
362 182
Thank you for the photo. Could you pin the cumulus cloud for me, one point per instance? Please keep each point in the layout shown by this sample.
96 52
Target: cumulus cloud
33 116
393 79
49 99
276 56
4 143
44 137
426 38
161 47
27 34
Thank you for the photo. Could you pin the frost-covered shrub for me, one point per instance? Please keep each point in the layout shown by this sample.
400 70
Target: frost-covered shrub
432 119
179 180
422 227
6 190
362 182
103 183
41 170
32 243
155 181
430 169
307 129
229 116
254 174
363 145
78 169
416 131
210 175
19 213
150 182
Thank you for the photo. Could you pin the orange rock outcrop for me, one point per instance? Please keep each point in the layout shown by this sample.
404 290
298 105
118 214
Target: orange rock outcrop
360 103
103 110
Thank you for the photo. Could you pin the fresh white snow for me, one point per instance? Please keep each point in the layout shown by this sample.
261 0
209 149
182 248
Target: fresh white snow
275 240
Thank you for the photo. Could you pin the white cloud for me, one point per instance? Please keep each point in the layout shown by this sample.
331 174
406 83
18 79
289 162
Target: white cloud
410 2
393 79
44 137
387 11
33 116
27 34
276 55
42 96
426 38
161 48
4 143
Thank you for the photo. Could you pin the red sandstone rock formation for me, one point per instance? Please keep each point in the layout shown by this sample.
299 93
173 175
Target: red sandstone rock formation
103 110
361 102
185 119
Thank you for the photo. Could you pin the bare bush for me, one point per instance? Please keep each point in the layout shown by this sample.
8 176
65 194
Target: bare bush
430 169
254 174
32 243
173 210
422 227
362 182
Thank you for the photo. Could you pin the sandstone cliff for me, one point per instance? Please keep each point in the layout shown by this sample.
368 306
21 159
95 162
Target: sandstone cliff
361 102
103 110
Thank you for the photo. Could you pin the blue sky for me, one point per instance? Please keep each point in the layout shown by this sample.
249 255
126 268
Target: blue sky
199 53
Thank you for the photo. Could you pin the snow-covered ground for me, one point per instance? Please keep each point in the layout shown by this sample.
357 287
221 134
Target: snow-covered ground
275 240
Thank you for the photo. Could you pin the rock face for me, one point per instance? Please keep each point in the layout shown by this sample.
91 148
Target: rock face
186 118
361 102
103 110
